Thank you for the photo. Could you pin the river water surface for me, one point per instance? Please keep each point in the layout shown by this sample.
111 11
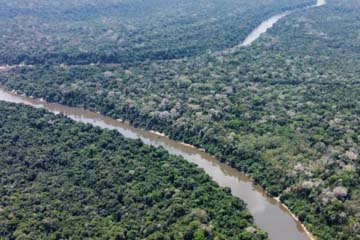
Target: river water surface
269 23
269 215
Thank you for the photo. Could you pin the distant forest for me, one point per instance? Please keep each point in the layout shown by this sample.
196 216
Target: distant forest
122 31
285 110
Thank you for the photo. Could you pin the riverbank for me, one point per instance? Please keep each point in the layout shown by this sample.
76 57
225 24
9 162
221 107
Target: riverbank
267 213
199 157
277 199
5 68
266 25
296 218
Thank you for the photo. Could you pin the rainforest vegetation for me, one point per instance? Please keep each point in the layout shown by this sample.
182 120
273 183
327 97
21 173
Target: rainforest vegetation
285 110
117 31
66 180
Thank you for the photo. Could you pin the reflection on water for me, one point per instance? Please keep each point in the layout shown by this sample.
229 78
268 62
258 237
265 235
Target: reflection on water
269 23
268 214
320 3
262 28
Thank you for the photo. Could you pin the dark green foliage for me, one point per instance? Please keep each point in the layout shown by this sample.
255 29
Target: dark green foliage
63 180
285 110
117 31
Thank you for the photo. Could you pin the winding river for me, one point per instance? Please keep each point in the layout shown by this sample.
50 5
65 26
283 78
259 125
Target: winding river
269 23
269 214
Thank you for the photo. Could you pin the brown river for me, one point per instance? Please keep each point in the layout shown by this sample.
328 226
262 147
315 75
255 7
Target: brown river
268 213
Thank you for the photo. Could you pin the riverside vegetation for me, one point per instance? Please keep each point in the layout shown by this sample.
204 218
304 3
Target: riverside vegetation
117 31
66 180
285 110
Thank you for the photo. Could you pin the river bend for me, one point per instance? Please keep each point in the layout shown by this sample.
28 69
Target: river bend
269 23
268 213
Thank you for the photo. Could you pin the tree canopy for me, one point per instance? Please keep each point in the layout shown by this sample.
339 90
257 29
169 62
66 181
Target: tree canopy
66 180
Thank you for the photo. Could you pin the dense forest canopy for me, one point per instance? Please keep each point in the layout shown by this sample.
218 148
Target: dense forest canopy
285 110
117 31
65 180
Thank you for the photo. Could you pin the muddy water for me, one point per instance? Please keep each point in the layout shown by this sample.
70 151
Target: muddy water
268 214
